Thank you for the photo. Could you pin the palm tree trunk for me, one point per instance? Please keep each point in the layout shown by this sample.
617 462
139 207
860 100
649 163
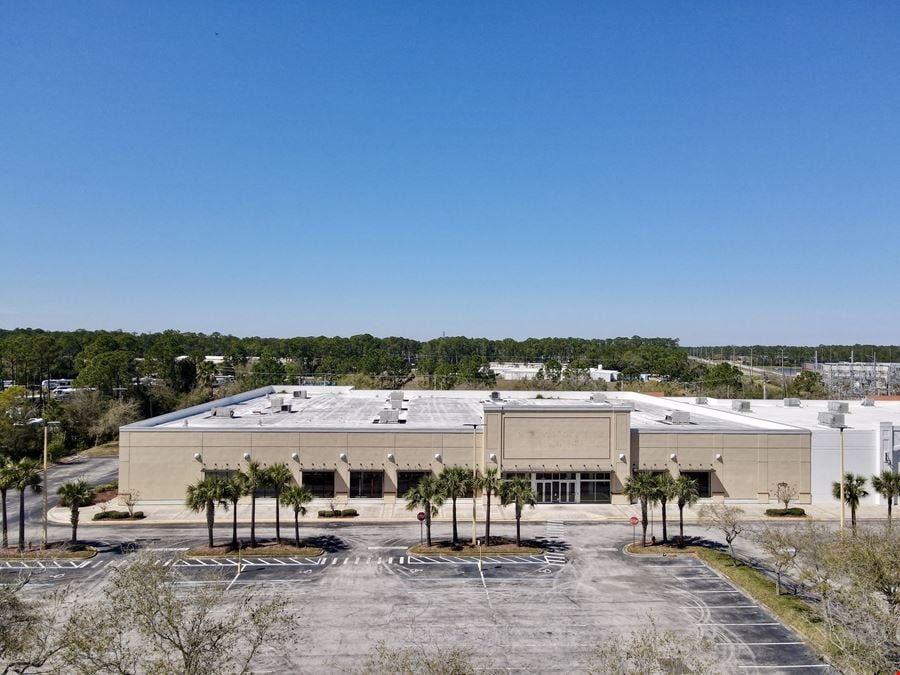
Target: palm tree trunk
22 519
518 525
889 501
455 536
681 522
5 533
297 528
487 521
210 519
643 523
253 519
853 518
428 523
234 541
277 517
74 519
665 532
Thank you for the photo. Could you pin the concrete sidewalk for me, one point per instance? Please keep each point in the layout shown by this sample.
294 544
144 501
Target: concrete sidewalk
375 510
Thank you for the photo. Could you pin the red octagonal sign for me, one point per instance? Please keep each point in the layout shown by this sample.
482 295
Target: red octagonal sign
633 520
420 515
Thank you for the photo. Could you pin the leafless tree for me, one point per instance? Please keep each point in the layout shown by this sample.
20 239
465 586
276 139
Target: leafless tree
726 519
786 493
781 548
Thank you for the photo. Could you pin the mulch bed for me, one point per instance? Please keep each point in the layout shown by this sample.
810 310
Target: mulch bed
55 550
262 549
498 546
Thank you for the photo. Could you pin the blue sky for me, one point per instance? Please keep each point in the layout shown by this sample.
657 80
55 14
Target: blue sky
717 172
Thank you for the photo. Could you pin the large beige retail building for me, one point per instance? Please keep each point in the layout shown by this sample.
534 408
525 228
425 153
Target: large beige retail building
575 447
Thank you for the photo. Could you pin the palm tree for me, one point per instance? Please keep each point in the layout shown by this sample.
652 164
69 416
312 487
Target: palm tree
7 472
455 482
428 496
277 477
642 486
888 486
687 494
26 474
854 491
297 497
75 494
490 483
235 488
256 480
665 490
517 491
205 494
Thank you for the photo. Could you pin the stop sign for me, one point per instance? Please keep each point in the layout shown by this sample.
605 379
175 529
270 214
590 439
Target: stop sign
420 515
633 520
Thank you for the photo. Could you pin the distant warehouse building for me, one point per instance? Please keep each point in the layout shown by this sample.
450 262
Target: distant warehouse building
575 447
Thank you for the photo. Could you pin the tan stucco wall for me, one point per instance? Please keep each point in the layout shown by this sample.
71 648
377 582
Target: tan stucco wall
159 464
751 464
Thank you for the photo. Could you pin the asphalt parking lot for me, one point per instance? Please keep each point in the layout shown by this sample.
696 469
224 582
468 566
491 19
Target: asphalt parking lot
515 613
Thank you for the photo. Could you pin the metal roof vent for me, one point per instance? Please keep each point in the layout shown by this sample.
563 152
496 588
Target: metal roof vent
740 406
388 417
867 403
396 396
701 400
678 417
598 397
838 407
792 403
495 395
222 411
301 393
831 419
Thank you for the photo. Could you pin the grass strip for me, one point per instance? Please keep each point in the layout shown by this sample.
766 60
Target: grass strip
12 555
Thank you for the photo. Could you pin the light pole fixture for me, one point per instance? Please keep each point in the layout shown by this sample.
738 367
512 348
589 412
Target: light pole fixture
841 482
48 425
474 426
295 456
247 456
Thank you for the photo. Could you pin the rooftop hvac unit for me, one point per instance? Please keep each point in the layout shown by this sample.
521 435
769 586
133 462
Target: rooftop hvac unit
495 395
287 407
701 400
300 393
598 397
678 417
740 406
867 403
396 404
275 402
831 419
792 403
388 416
838 407
396 396
220 411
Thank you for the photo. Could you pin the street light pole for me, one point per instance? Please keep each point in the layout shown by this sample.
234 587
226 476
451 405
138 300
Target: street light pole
474 478
46 431
842 481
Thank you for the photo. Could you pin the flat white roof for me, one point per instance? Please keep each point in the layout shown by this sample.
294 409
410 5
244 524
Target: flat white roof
336 408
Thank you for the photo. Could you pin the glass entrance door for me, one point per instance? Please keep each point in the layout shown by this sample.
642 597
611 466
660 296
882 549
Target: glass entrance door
555 488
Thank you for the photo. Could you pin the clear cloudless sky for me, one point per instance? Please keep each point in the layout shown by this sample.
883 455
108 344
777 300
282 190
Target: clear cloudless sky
714 171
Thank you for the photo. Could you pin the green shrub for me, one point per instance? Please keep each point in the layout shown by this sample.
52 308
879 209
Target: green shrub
349 512
793 511
329 514
118 515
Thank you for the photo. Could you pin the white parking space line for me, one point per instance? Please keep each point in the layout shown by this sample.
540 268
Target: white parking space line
758 644
761 623
388 548
810 665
